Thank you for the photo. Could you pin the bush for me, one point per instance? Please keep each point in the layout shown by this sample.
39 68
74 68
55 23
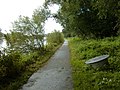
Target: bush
14 63
16 67
55 38
10 65
87 78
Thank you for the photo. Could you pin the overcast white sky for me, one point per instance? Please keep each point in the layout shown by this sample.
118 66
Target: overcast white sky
11 9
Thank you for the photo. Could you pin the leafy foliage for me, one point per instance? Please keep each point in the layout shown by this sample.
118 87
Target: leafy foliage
16 67
25 52
28 34
88 18
55 38
1 34
87 78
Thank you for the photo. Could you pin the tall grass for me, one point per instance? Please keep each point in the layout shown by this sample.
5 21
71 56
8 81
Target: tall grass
87 78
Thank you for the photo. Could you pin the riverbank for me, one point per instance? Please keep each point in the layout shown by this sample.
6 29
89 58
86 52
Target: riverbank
19 80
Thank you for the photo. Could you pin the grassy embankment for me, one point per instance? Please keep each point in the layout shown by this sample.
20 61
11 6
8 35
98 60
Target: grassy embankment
87 78
30 64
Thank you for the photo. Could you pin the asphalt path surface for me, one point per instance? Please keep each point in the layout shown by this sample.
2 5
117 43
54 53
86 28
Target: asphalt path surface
55 75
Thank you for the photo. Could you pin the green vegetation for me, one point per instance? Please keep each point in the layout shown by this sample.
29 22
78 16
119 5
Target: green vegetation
1 34
16 68
27 34
55 38
95 22
26 52
88 18
87 78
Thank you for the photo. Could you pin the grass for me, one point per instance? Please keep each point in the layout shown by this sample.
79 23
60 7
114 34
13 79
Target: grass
30 68
87 78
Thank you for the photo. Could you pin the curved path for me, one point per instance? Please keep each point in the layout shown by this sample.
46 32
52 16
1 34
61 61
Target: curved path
55 75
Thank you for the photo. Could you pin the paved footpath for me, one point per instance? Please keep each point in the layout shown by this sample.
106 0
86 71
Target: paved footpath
55 75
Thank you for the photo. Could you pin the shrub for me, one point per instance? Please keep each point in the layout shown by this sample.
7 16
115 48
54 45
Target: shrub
14 63
55 38
10 65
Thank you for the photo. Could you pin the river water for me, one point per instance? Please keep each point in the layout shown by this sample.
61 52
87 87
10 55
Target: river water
3 44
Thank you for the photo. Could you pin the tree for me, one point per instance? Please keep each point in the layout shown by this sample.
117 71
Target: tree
28 33
1 34
82 17
109 9
55 38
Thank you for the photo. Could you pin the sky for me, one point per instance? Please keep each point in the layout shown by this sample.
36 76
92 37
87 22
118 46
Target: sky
10 10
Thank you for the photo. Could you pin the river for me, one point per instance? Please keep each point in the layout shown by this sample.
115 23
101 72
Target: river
3 44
